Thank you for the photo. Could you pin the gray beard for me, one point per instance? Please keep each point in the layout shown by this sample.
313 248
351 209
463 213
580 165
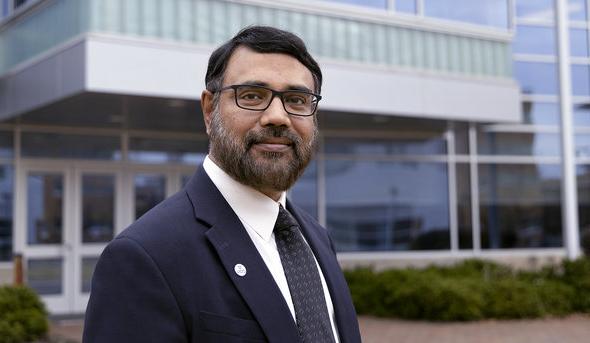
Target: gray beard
270 170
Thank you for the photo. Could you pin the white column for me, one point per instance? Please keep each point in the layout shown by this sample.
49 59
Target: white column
569 193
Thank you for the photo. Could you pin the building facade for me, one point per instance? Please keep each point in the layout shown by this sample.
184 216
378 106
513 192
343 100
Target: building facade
442 125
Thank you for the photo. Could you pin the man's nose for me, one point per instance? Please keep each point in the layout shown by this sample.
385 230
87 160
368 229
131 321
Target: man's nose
275 114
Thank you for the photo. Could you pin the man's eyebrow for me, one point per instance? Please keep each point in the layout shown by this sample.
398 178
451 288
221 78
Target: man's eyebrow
289 87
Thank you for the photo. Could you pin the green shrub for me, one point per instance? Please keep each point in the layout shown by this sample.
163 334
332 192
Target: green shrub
471 290
577 275
22 315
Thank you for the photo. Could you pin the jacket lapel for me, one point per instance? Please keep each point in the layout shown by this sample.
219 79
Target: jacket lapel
234 246
343 308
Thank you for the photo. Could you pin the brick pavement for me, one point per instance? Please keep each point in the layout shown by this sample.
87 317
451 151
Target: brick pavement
573 329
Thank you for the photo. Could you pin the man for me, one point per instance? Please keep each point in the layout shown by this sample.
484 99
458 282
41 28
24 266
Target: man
222 260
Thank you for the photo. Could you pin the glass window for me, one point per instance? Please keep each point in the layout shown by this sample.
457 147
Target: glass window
6 144
45 276
44 208
580 79
582 145
527 40
55 145
536 77
583 178
535 9
4 9
152 150
464 206
483 12
150 190
406 6
461 138
305 192
579 42
98 208
577 9
540 113
519 144
520 205
365 3
380 205
581 114
88 265
6 203
392 146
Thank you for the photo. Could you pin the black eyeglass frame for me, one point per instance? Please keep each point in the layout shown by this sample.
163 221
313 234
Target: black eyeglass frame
274 94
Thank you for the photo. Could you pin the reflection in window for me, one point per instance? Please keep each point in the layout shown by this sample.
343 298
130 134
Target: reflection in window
581 114
88 265
6 200
583 178
519 144
541 113
411 146
98 208
483 12
520 206
44 208
582 145
152 150
45 276
536 77
6 144
406 6
4 10
581 79
55 145
577 9
464 206
377 205
535 9
305 192
461 138
578 42
527 40
150 190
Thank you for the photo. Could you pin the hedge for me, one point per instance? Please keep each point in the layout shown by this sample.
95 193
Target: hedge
23 317
472 290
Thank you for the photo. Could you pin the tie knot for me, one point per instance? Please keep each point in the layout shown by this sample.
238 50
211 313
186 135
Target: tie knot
285 220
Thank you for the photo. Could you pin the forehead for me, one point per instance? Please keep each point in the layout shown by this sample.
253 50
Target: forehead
275 69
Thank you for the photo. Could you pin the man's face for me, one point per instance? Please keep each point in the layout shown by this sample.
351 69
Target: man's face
267 150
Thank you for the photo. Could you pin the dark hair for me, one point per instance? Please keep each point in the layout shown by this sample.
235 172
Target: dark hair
262 39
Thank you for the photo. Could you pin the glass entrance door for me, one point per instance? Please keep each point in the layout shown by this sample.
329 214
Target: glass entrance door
43 236
69 215
95 223
68 211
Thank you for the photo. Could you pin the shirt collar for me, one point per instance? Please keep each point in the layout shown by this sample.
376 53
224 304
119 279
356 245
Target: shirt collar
252 207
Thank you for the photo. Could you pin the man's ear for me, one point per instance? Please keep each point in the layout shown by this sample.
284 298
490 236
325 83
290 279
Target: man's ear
207 108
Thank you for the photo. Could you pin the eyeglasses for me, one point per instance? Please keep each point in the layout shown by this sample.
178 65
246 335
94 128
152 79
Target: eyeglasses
258 98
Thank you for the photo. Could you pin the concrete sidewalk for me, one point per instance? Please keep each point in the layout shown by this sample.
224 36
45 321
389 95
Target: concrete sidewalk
573 329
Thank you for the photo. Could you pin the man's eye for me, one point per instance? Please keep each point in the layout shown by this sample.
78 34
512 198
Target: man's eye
250 96
296 99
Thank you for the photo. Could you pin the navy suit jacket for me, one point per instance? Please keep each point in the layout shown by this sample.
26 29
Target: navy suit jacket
170 277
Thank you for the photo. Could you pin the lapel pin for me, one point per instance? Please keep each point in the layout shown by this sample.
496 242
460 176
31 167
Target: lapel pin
240 269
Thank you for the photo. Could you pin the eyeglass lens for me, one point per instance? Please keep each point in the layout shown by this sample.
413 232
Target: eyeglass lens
258 98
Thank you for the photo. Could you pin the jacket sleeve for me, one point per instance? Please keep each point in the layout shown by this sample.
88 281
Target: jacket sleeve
130 299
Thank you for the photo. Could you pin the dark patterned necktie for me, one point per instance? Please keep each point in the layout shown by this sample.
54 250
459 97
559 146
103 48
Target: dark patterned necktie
304 281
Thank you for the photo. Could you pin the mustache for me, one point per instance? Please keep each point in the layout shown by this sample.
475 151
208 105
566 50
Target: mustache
255 137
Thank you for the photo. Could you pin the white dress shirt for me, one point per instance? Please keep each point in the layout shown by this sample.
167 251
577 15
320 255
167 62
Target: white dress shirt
258 213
